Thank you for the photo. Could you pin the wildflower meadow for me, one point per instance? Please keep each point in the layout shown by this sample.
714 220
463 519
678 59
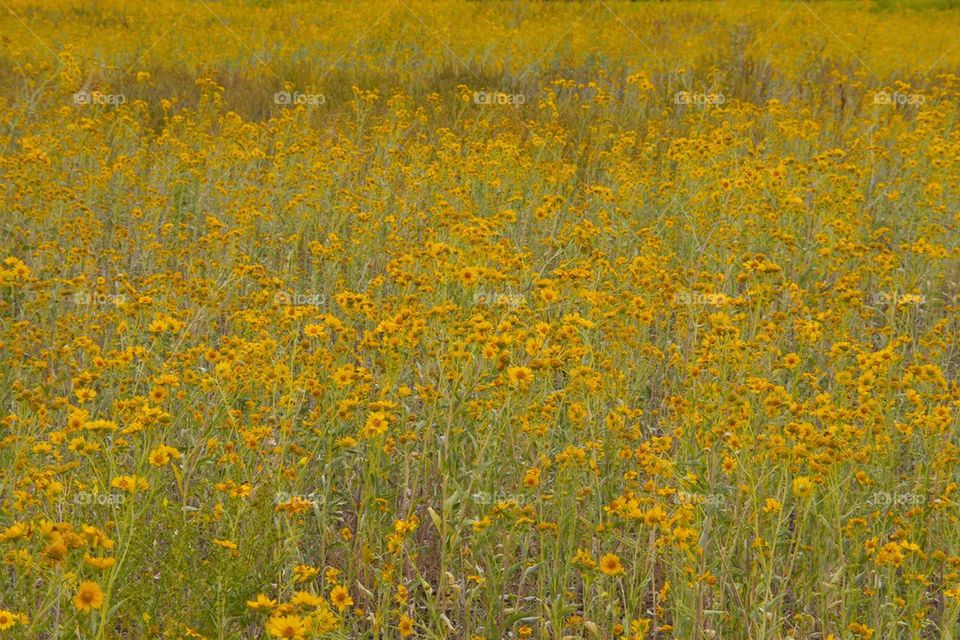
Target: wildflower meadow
479 320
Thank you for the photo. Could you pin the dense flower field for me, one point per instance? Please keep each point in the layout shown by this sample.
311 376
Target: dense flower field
608 320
